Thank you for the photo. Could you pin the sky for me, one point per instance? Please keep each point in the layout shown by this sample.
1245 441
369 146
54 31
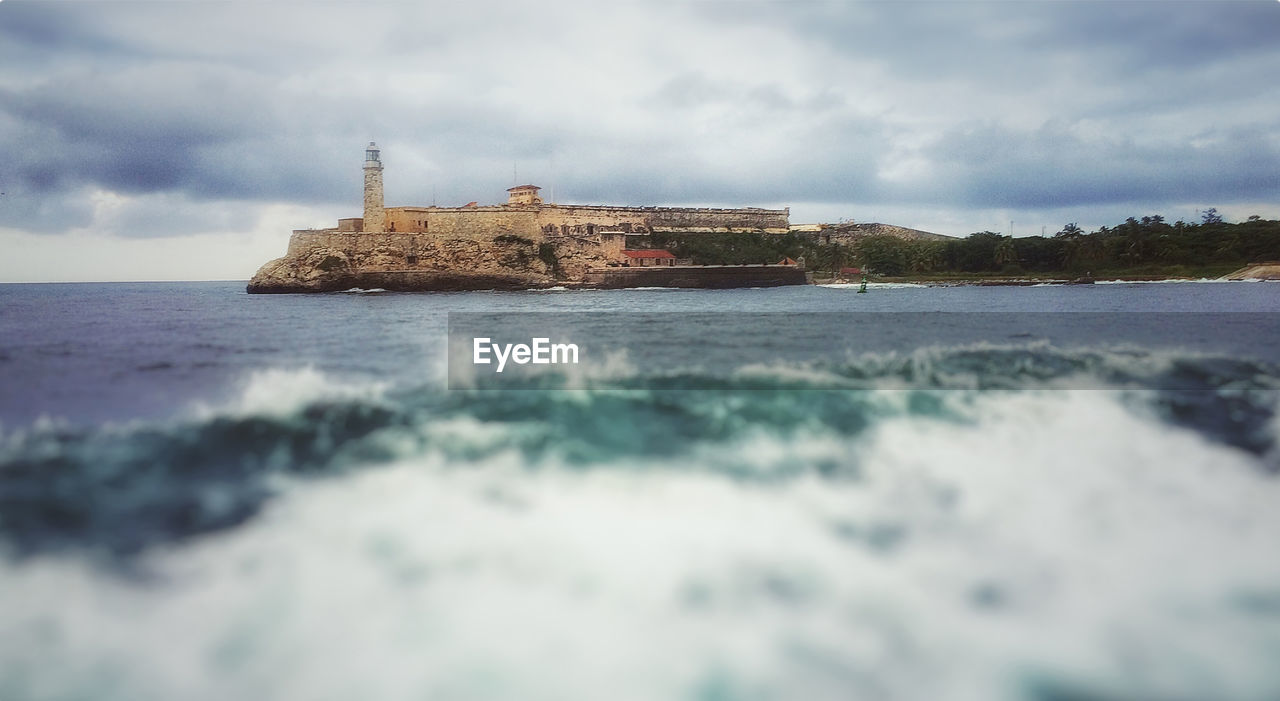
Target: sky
184 140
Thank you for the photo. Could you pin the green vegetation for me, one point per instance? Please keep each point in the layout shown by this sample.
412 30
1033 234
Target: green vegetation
735 249
547 254
1138 247
331 263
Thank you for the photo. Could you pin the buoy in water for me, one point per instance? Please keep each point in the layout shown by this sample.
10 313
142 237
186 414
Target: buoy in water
863 288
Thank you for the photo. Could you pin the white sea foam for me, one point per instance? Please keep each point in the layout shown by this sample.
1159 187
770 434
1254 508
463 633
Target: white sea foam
281 391
870 285
1057 537
1174 281
798 374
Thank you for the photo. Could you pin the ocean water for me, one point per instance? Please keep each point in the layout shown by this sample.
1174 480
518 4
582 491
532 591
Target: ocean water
1057 492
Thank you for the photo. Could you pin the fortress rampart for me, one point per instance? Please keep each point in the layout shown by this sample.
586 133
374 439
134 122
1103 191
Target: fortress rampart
532 221
697 276
522 243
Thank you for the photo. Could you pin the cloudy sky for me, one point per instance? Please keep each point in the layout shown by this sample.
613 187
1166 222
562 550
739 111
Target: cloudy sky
184 140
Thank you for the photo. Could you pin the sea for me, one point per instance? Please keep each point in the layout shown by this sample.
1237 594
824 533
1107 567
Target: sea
1058 492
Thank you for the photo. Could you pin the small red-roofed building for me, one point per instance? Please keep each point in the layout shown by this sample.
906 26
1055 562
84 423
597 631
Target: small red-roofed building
649 257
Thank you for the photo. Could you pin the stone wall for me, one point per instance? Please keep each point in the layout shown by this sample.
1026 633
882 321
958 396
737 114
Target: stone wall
374 213
679 219
465 221
584 221
697 276
578 220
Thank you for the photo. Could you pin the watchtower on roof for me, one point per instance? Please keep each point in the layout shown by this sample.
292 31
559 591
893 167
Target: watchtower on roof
523 194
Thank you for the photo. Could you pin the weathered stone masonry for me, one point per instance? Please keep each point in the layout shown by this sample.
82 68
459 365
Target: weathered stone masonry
523 243
553 219
374 214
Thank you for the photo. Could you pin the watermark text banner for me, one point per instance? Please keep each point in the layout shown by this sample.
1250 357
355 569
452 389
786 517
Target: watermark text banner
863 350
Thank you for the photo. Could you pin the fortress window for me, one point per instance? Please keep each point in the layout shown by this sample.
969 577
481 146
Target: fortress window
411 259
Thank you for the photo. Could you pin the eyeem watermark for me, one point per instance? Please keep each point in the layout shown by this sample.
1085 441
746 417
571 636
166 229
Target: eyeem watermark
539 351
531 350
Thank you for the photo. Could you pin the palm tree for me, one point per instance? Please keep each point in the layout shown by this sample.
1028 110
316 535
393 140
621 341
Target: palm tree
1006 252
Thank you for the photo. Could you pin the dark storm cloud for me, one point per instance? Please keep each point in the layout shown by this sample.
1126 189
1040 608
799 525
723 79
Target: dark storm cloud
138 129
1033 105
31 35
157 109
1001 40
992 166
1135 67
1178 35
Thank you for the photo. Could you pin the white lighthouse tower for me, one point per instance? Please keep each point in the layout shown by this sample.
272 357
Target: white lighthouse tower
375 217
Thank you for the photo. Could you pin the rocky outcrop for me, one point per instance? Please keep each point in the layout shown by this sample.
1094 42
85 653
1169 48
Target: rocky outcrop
329 260
326 261
1257 271
876 229
283 279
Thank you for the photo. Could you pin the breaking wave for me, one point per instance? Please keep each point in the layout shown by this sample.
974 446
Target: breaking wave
123 488
962 530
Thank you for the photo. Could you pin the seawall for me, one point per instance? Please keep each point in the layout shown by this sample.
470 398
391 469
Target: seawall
696 276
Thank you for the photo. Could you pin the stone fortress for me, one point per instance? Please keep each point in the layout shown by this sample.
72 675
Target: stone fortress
520 244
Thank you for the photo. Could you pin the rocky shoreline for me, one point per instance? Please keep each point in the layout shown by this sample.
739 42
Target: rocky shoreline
406 281
689 277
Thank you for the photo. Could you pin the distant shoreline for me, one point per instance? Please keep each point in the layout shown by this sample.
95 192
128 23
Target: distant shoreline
1033 282
1219 273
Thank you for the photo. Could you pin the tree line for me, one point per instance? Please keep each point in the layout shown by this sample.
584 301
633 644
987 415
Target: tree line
1146 245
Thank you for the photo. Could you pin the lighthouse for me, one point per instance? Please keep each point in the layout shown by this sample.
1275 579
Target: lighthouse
375 217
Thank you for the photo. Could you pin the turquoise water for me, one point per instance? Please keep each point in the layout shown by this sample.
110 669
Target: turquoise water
208 495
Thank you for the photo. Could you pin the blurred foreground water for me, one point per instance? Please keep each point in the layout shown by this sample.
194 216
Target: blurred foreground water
209 495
